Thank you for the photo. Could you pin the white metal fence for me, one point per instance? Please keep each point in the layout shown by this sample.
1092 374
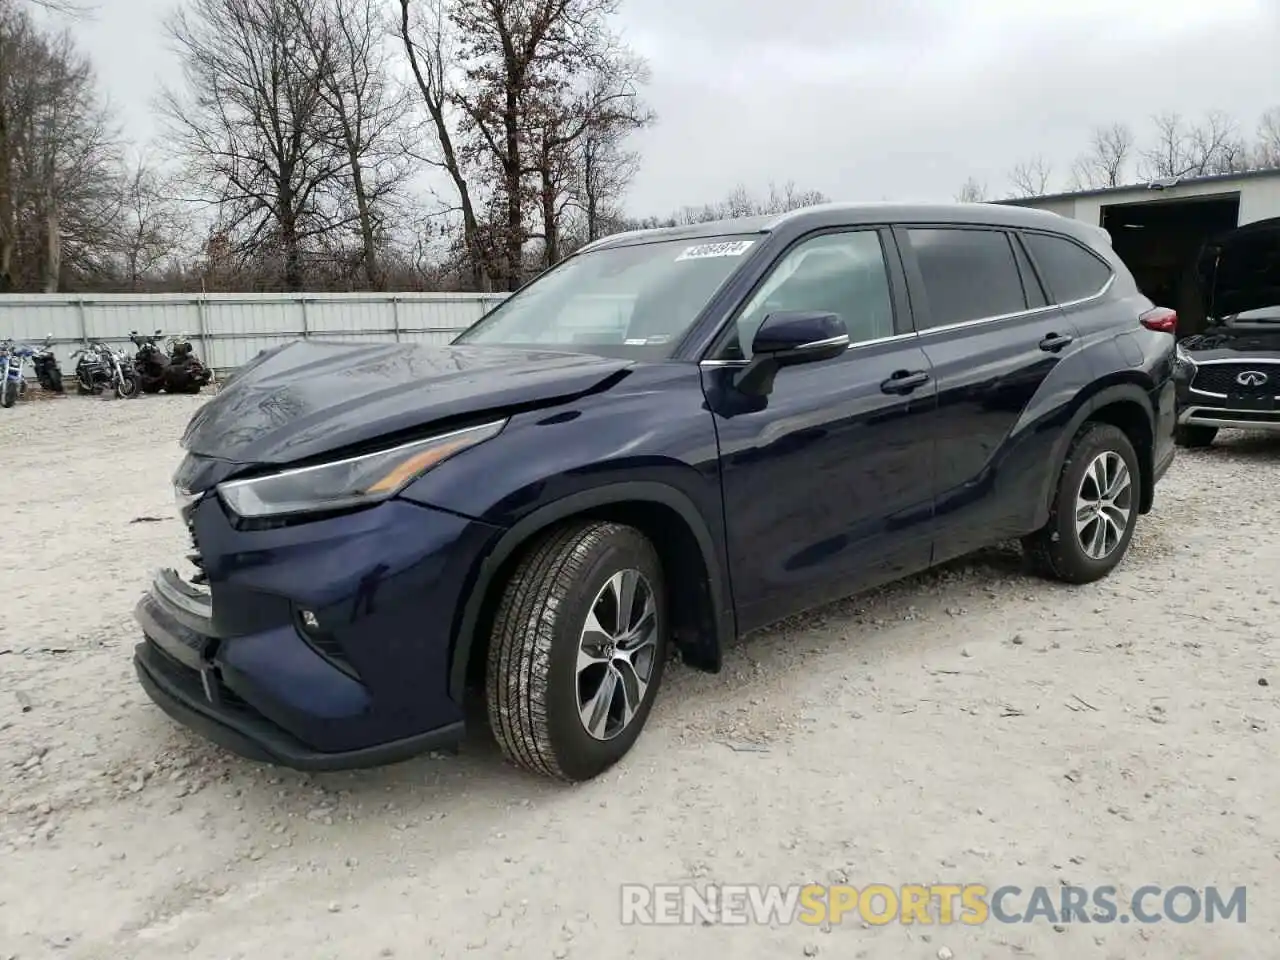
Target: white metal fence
230 329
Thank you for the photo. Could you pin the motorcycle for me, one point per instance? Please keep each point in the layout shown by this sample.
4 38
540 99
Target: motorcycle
188 373
100 368
173 367
12 382
151 363
46 366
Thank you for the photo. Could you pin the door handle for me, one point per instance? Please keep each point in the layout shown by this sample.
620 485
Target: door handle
905 381
1054 342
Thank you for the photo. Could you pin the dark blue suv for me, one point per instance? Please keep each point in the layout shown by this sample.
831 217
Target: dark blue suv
671 438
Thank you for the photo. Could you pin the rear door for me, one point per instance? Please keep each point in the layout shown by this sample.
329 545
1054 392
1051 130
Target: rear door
828 481
992 340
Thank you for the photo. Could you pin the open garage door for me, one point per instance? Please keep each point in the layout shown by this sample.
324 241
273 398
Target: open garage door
1161 242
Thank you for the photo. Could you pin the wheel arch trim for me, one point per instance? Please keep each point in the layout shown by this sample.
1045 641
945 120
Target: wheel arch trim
521 532
1126 391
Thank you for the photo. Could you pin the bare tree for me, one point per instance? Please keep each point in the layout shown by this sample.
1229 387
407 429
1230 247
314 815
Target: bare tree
432 58
740 202
1030 178
972 191
520 58
605 168
603 109
1106 163
1193 150
153 227
366 109
57 159
1267 148
254 127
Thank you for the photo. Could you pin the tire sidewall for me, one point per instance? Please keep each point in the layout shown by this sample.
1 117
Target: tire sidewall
580 755
1098 440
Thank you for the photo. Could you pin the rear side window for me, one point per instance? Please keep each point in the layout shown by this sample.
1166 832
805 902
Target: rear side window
968 274
1069 270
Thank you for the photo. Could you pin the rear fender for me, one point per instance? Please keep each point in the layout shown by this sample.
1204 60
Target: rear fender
1121 388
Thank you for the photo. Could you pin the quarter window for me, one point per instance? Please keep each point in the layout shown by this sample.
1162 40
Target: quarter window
1070 271
840 273
968 274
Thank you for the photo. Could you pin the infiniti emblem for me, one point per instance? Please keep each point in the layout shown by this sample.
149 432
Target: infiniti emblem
1251 378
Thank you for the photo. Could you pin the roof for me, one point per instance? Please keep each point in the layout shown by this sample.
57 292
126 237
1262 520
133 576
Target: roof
1153 185
850 214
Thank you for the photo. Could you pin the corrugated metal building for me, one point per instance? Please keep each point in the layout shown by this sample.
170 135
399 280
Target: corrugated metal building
229 329
1161 228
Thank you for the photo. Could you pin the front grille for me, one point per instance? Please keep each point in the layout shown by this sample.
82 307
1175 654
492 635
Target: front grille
1221 378
199 578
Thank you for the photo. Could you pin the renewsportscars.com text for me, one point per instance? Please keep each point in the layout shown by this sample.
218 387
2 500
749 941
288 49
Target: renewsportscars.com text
933 904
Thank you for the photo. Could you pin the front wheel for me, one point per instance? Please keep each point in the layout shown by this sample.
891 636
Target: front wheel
9 394
1094 509
127 387
577 650
1192 435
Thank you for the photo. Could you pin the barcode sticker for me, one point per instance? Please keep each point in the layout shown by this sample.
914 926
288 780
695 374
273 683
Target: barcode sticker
728 248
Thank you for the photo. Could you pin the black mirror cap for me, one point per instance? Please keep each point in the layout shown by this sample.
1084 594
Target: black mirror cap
800 336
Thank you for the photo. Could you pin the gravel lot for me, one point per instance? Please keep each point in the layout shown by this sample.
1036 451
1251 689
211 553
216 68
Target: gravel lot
970 725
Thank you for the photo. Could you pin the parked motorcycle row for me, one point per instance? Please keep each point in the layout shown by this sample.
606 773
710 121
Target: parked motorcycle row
171 366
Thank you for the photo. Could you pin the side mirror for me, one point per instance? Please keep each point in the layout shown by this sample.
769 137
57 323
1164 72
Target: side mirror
788 339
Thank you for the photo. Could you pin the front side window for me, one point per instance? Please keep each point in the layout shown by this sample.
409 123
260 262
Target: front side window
1071 272
634 301
840 273
968 274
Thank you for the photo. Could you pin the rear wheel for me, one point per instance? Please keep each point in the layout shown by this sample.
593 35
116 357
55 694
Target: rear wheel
1094 509
1190 435
577 650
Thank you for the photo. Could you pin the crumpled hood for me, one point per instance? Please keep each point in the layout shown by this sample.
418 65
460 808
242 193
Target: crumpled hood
310 397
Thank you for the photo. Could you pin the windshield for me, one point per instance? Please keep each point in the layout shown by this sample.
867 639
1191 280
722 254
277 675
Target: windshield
634 301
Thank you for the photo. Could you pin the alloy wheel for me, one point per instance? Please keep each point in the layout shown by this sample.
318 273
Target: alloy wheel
1104 505
616 654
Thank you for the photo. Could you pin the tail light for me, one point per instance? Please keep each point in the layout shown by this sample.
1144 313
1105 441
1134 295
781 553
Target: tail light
1160 319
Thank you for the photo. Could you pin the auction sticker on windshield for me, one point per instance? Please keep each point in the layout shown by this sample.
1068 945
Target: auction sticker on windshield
729 248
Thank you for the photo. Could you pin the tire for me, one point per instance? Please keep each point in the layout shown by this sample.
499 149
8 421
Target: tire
533 686
1193 436
8 394
127 388
1057 550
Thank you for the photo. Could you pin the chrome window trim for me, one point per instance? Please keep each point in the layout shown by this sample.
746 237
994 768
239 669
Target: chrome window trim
1023 313
828 342
852 346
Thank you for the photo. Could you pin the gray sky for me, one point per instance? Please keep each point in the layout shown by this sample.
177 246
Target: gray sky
866 99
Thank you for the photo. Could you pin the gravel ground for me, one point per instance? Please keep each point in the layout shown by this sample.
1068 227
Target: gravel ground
969 725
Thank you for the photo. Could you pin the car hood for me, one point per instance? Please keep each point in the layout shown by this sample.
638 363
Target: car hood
313 397
1227 343
1240 270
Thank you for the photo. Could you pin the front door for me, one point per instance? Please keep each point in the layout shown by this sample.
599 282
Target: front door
827 481
992 340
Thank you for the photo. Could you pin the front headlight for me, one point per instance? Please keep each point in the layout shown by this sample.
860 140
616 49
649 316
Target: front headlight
353 482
